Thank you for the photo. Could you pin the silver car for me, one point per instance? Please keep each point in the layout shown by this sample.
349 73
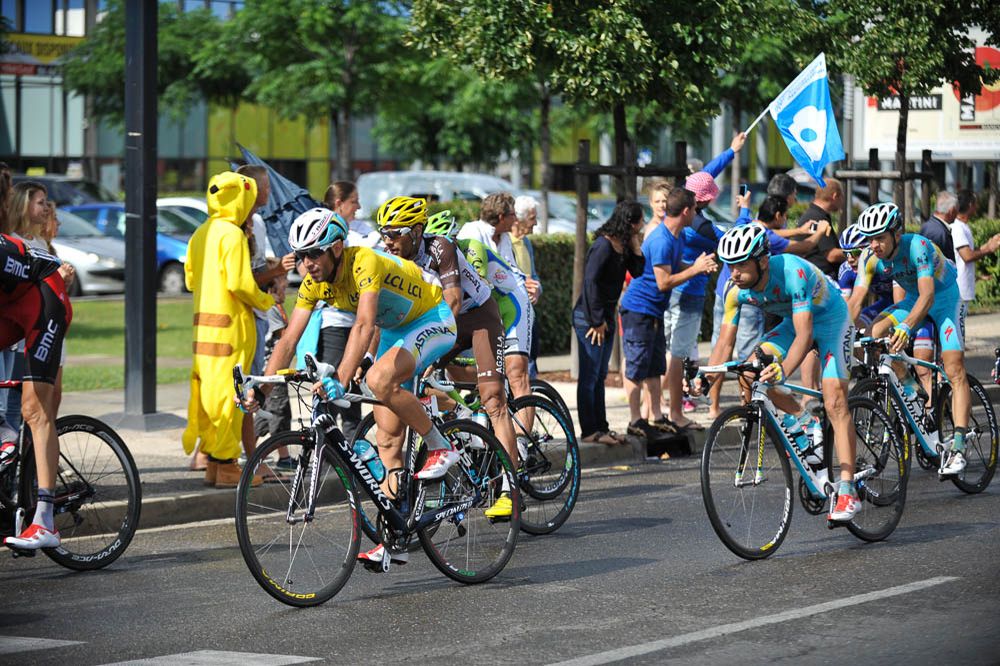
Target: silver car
99 260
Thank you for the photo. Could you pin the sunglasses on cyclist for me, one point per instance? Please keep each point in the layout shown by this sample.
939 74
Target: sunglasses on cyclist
855 252
312 254
393 234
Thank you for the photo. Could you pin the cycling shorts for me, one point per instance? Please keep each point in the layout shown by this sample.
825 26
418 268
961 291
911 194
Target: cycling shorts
946 313
870 313
481 329
41 316
428 337
519 330
833 338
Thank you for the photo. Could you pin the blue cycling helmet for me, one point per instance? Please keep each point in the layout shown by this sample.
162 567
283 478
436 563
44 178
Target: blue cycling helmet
852 239
316 228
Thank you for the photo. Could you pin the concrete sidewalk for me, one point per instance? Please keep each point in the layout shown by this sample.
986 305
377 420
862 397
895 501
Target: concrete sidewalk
172 494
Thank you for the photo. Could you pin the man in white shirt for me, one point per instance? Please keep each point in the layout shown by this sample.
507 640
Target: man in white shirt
966 253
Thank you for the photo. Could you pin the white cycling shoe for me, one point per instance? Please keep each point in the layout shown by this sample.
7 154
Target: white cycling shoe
954 462
379 558
438 462
847 507
33 538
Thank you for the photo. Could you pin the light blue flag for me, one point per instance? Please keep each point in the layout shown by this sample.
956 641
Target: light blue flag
804 116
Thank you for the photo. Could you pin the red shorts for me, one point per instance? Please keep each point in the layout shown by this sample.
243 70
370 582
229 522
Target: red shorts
41 316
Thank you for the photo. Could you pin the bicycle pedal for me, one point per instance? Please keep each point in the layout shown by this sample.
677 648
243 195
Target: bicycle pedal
834 524
22 552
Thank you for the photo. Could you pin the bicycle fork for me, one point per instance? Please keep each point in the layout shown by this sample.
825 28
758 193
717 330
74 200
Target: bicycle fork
758 475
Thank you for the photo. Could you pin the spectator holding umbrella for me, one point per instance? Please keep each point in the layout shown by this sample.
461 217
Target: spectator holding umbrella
616 249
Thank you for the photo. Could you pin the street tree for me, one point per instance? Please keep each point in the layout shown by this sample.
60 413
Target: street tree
789 38
96 67
315 59
904 48
447 113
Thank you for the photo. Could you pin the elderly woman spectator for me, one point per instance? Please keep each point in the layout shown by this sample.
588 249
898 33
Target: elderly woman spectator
616 249
526 209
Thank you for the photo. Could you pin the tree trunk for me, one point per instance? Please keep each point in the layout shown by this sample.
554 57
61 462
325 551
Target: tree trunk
345 165
898 189
735 169
545 143
621 136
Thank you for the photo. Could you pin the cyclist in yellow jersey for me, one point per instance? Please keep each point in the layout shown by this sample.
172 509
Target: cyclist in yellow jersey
399 313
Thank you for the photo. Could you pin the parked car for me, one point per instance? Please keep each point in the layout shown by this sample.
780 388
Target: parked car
377 186
172 234
194 208
562 213
99 260
66 191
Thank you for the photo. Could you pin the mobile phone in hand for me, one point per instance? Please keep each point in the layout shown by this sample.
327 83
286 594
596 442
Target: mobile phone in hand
744 190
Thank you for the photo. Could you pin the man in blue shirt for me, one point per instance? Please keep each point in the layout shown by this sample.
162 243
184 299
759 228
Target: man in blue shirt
682 320
643 305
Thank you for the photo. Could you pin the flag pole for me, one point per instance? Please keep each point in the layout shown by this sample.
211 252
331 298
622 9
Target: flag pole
757 120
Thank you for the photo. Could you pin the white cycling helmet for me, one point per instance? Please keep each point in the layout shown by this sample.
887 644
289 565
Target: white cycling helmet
748 241
878 219
316 228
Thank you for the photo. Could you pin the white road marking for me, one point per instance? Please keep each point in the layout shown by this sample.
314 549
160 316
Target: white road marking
619 654
12 644
217 658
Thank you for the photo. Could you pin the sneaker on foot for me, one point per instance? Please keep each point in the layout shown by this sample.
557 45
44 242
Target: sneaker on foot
502 508
377 554
847 506
288 464
438 462
688 406
954 462
33 538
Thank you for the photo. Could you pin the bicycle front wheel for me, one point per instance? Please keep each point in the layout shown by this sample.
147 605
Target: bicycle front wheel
298 559
981 440
469 546
549 471
746 483
880 453
97 495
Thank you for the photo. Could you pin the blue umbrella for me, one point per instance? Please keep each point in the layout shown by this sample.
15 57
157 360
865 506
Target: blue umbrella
288 200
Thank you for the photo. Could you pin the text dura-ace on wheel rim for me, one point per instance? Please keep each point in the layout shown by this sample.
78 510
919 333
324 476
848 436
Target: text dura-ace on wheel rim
98 494
746 484
298 562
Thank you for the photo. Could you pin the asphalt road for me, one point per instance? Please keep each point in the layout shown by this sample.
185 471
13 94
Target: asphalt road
636 574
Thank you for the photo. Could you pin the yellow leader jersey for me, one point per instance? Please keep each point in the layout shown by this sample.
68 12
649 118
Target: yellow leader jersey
405 292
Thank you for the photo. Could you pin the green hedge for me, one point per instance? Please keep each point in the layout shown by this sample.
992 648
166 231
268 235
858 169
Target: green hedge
554 262
987 268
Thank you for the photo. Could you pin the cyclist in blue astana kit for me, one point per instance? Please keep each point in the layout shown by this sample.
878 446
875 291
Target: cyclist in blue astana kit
853 243
930 283
814 313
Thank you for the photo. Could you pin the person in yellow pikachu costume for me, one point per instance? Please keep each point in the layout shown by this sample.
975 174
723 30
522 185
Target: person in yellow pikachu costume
217 272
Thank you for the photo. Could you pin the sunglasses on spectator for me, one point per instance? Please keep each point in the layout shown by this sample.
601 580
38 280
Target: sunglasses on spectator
312 253
394 233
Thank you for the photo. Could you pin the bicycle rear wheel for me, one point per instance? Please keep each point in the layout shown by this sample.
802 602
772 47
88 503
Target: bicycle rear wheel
298 562
980 442
746 483
547 390
469 547
892 405
549 473
98 495
880 451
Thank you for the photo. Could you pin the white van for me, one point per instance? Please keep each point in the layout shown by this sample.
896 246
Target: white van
377 186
